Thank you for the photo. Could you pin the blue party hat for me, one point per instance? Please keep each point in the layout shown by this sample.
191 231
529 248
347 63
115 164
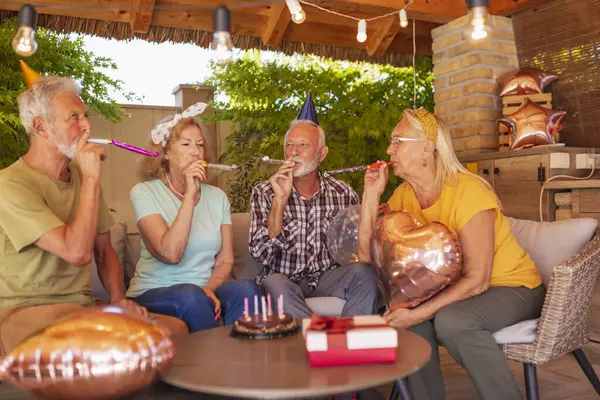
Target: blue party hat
308 112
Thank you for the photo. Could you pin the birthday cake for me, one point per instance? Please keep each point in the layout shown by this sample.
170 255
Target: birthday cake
265 325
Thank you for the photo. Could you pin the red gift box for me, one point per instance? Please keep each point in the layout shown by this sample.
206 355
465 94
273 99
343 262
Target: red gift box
332 341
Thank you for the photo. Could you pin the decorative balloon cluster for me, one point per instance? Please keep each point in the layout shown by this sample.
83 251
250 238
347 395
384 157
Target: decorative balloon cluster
531 125
412 261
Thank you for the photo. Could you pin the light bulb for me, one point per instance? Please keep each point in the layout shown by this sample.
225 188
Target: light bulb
24 43
223 46
403 18
361 36
299 16
478 23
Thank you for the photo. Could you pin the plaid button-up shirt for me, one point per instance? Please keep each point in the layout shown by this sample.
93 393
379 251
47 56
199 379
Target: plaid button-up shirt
300 250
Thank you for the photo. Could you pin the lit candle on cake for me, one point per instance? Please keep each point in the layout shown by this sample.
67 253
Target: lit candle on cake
280 306
269 304
245 307
264 308
255 304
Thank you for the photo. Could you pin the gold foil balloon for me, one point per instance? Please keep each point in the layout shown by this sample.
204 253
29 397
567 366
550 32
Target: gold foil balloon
525 81
99 353
532 125
413 262
342 236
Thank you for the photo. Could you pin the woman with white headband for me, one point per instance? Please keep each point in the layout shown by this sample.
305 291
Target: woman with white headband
186 255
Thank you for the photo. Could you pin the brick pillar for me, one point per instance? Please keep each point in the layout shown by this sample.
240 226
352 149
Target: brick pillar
465 74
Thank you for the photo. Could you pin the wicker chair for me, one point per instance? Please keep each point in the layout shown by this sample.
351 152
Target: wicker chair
563 325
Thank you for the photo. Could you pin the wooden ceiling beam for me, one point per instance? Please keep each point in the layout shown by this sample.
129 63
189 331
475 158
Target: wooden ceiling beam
378 44
279 19
141 15
509 7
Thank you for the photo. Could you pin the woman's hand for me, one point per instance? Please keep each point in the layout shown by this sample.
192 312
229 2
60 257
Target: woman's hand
211 295
194 174
404 318
383 209
376 179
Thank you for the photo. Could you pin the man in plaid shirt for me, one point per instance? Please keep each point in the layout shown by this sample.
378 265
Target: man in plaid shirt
290 214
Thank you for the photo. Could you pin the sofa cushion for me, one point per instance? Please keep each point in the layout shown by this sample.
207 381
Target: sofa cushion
326 306
244 265
118 235
522 332
132 255
550 243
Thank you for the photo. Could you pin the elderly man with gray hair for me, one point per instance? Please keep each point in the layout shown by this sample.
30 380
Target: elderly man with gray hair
53 218
290 215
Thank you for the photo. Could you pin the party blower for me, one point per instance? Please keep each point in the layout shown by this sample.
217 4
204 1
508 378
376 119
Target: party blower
124 146
357 168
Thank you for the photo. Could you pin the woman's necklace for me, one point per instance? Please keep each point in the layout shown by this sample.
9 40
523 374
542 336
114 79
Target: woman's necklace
171 186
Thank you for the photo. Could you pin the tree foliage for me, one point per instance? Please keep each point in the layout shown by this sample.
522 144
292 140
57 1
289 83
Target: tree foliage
358 104
59 55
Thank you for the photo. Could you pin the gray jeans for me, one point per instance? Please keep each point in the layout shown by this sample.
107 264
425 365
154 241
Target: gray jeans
355 283
466 329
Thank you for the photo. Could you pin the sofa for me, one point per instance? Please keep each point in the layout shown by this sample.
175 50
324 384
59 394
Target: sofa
127 247
547 243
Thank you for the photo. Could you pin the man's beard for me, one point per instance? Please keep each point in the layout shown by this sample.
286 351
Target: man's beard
68 151
306 167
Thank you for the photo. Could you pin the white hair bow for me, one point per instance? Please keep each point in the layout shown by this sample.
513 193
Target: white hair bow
161 132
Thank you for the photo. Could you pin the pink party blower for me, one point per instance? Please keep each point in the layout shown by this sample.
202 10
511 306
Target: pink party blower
124 146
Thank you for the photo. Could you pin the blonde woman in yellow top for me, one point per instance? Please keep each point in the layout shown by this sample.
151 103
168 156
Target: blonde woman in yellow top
499 286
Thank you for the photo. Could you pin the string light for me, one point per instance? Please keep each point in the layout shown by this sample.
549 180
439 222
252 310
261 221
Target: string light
361 36
298 15
24 43
403 18
350 16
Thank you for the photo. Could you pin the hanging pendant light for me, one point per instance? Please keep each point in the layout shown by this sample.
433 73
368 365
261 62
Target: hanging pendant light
479 25
24 43
222 44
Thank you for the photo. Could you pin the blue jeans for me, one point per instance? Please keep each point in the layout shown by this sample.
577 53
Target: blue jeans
188 302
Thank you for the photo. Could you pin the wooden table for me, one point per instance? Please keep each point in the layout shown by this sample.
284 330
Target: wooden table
213 363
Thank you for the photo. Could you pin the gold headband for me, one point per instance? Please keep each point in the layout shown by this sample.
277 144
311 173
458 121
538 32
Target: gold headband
428 122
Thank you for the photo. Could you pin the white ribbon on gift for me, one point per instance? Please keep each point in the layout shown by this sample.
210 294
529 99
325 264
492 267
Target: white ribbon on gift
160 134
357 337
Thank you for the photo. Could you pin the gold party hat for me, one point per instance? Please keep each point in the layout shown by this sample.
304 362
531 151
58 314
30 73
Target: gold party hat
30 75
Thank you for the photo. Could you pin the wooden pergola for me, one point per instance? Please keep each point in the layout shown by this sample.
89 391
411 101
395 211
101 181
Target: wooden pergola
264 24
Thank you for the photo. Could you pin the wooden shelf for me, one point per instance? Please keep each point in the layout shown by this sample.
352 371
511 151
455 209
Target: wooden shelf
574 184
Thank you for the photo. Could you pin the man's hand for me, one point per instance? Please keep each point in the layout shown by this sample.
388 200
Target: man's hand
282 182
89 157
131 305
211 295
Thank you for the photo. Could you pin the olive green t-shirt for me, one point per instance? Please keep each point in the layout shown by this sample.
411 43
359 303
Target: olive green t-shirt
31 204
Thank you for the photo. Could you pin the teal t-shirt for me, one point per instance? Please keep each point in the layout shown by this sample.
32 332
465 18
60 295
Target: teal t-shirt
204 244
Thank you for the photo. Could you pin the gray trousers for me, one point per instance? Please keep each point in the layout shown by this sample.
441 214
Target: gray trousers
466 329
355 283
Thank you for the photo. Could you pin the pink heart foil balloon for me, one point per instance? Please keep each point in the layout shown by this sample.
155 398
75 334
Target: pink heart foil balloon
413 262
